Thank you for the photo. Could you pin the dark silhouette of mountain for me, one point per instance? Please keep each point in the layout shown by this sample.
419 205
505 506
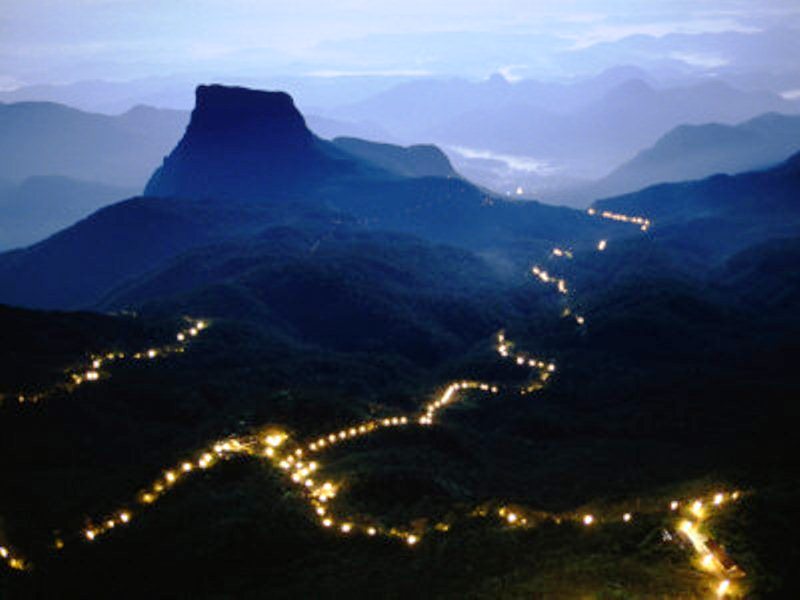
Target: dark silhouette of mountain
342 288
40 206
243 143
42 138
711 219
771 194
413 161
247 162
696 151
765 277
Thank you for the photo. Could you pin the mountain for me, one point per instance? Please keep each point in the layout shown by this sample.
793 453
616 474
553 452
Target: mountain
600 135
413 161
42 138
40 206
550 138
696 151
248 162
716 217
341 288
242 143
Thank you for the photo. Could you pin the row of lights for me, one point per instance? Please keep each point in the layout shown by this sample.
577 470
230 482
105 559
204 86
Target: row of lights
92 371
643 223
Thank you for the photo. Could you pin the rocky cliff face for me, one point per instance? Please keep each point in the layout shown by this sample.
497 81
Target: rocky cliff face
243 143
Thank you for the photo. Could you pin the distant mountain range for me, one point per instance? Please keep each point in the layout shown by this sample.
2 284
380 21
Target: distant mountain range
592 125
696 151
40 206
711 219
42 138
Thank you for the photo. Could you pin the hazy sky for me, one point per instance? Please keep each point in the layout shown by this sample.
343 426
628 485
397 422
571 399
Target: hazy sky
63 40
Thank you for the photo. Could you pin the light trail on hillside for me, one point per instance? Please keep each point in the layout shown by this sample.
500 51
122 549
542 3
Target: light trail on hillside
300 462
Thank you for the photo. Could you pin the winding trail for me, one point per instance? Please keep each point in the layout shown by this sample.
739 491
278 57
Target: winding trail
300 461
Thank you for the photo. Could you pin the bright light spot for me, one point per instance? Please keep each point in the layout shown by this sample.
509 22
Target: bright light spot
588 519
627 517
601 245
723 587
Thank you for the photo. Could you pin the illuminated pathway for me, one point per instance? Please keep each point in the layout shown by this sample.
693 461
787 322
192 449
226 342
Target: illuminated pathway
300 461
96 367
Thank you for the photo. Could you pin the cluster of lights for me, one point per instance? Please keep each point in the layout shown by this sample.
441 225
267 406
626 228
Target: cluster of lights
710 556
643 223
562 253
12 560
560 284
92 371
545 277
545 368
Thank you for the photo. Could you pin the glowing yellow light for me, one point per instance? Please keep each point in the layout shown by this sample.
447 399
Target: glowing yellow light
275 439
412 539
181 337
588 519
186 467
3 552
723 587
673 505
346 528
735 495
627 517
201 325
697 508
327 522
151 353
686 526
371 531
320 510
125 517
707 561
170 476
601 245
16 564
269 452
147 498
719 499
90 535
511 518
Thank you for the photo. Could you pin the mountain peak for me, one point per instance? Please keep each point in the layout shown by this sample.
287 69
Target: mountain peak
224 108
242 143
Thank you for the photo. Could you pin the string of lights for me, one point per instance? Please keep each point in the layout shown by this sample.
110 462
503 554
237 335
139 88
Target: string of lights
97 365
300 461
